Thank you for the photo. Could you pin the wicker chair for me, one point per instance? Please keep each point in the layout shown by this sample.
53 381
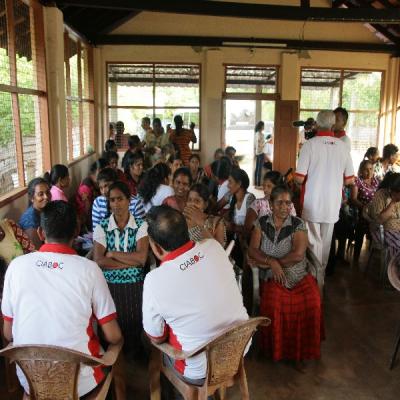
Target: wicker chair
394 279
52 371
225 364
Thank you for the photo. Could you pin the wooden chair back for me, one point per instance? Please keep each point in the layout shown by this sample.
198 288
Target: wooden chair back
225 353
51 371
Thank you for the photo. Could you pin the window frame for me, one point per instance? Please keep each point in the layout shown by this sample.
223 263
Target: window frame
154 107
38 48
81 44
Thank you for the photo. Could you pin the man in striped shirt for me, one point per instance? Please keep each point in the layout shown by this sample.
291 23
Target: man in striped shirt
100 209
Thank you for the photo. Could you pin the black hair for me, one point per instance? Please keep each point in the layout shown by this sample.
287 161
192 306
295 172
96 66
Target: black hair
122 187
157 121
230 149
131 159
32 185
372 151
98 165
167 227
278 190
133 141
183 171
109 145
201 190
58 171
59 222
391 181
342 111
178 121
259 125
363 163
108 175
389 150
238 175
275 177
152 179
219 150
110 155
221 168
194 156
147 119
175 157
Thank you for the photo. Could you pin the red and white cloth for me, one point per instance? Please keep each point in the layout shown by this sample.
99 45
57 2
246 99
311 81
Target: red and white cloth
53 297
192 297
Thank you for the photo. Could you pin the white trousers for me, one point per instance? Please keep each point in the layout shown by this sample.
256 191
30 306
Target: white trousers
320 238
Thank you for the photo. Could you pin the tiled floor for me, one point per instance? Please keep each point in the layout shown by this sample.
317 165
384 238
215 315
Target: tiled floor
361 320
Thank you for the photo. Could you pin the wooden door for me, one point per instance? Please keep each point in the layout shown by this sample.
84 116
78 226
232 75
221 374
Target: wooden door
286 136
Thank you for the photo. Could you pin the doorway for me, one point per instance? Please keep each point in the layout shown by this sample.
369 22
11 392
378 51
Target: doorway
240 118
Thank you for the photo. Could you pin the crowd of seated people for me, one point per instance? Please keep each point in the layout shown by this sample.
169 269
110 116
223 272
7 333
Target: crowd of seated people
158 171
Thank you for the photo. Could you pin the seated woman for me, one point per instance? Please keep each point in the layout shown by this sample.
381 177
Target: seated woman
112 158
201 224
291 299
261 207
154 188
384 209
110 145
372 155
195 170
134 146
87 191
362 192
174 163
387 162
181 183
120 249
220 172
59 180
218 154
134 171
39 195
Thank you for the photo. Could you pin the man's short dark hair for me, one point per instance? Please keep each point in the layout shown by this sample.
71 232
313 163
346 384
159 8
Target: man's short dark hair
167 227
107 175
58 220
342 111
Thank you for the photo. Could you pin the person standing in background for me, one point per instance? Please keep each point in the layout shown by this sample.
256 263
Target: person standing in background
259 142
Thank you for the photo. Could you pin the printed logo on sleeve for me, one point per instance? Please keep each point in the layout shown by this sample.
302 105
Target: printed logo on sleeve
191 261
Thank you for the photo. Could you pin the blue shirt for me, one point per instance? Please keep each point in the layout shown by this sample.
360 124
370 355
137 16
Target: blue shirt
100 210
30 219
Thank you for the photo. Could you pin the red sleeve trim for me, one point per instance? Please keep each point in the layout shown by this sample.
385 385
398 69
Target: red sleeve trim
299 174
108 318
348 177
163 336
9 319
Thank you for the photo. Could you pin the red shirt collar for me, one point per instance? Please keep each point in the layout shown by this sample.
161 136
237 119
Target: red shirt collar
325 133
340 134
57 248
178 252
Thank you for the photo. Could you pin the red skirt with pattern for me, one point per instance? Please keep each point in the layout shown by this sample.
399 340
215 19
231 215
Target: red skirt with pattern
296 328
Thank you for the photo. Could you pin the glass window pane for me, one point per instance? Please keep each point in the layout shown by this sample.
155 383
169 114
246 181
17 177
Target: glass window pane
73 67
361 90
8 154
26 74
4 60
251 79
319 89
85 72
31 135
87 109
76 137
131 117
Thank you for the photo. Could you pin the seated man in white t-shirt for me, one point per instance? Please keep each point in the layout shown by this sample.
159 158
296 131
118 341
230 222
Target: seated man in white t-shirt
192 296
54 297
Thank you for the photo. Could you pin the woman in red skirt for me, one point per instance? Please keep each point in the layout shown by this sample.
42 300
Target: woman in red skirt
289 294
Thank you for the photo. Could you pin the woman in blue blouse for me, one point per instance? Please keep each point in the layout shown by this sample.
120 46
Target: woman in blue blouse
120 249
39 195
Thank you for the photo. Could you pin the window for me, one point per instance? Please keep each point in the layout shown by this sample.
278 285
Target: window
357 91
154 90
23 98
78 68
250 79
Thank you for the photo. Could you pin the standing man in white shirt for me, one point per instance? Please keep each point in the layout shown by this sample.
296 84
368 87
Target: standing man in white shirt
193 295
323 167
341 117
53 297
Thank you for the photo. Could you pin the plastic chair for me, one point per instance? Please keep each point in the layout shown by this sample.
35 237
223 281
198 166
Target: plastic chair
225 364
378 245
52 372
394 279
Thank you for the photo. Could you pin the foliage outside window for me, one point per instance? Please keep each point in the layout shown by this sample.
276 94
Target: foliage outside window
24 151
78 69
154 90
357 91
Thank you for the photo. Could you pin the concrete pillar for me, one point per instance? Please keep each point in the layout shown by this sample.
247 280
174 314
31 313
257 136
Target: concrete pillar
212 88
54 42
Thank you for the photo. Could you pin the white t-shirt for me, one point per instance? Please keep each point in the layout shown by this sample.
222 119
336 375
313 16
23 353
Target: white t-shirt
163 191
223 191
239 215
190 298
269 151
54 297
325 161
